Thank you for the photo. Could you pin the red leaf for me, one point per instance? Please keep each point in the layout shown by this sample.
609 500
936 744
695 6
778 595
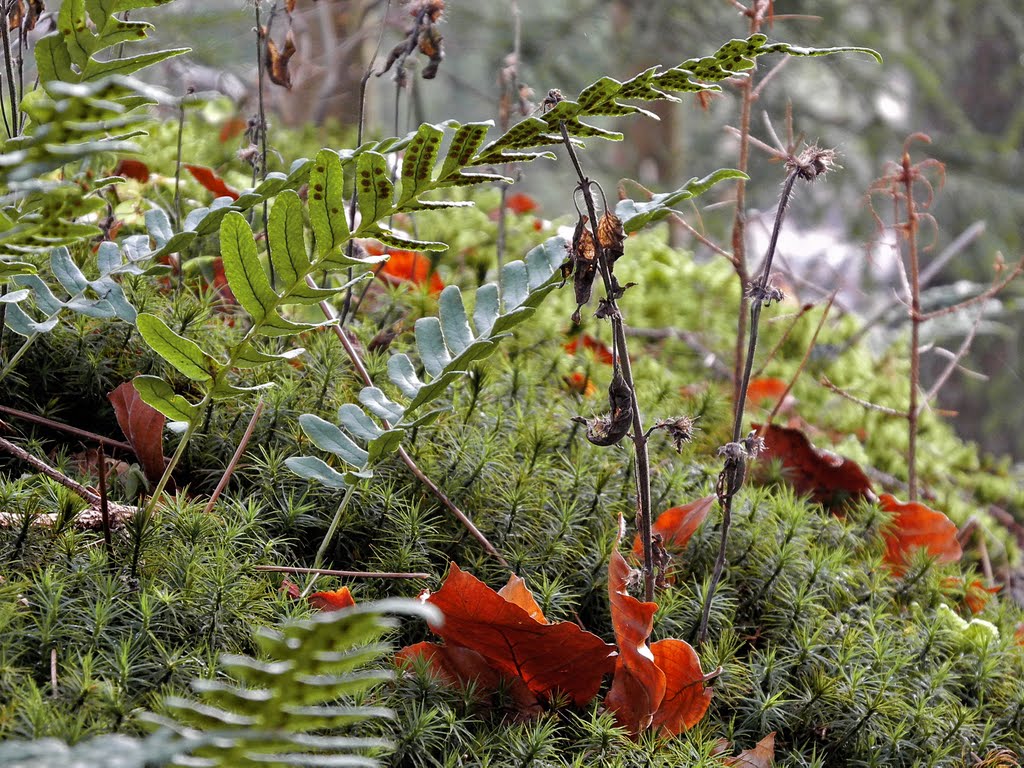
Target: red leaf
332 601
290 588
761 756
678 524
143 427
580 384
914 526
686 698
639 684
410 267
547 657
232 127
132 169
211 180
601 350
766 388
462 667
520 202
825 476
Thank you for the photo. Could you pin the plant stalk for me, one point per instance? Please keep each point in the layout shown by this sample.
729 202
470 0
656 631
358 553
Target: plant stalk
642 462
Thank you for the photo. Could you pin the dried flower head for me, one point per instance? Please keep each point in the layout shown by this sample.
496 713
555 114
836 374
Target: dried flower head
812 162
680 429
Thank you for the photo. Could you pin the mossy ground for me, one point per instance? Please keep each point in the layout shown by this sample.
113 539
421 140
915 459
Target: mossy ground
817 640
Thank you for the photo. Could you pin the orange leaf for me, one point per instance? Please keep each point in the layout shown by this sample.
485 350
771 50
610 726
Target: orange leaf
547 657
639 684
209 179
601 350
761 756
143 426
914 526
332 601
517 594
463 668
678 524
824 476
686 698
769 391
580 384
520 202
132 169
410 267
233 126
977 595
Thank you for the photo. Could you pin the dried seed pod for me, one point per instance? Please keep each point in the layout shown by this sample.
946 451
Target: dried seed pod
610 429
611 236
680 429
584 265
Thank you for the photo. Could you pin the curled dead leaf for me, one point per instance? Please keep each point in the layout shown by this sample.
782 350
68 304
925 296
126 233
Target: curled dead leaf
276 60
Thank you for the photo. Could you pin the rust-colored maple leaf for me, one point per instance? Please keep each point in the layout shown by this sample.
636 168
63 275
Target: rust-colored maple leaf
826 477
601 351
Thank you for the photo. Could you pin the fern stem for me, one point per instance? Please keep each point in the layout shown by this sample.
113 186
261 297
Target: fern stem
319 559
12 126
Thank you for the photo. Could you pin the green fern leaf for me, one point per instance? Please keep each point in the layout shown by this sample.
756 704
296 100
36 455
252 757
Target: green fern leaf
245 275
374 191
158 393
184 354
636 216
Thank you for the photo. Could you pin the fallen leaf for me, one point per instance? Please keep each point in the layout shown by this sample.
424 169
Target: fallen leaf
601 350
410 267
761 756
826 477
517 594
977 595
210 180
678 524
462 667
232 127
661 686
686 699
639 684
520 202
332 601
132 169
546 657
915 526
143 427
580 384
290 588
768 391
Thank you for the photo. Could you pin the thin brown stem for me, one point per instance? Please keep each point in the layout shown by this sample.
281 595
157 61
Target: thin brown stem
409 462
804 309
230 469
344 574
911 226
860 401
800 368
101 466
642 462
987 294
51 424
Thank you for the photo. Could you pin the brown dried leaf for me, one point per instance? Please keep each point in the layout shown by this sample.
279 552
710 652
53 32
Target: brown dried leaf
761 756
277 60
611 235
143 426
